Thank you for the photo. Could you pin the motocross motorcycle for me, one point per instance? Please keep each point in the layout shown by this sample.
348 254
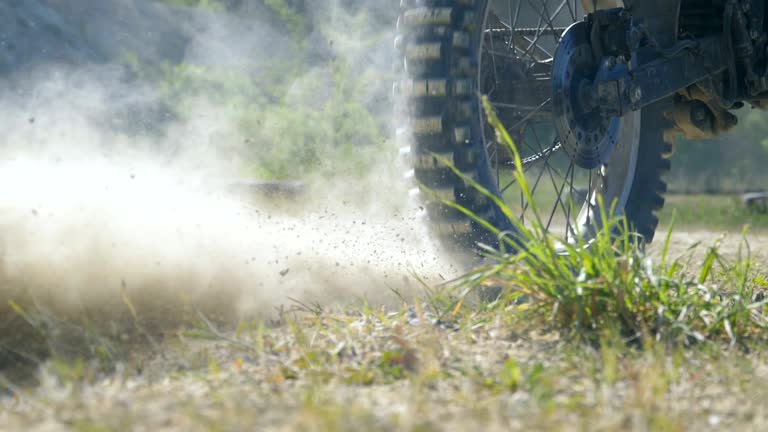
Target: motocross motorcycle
593 94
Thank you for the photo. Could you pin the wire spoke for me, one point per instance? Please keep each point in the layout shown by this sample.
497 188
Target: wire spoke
559 193
544 56
498 165
503 105
538 180
572 9
544 16
541 150
544 155
554 16
538 33
589 197
546 53
552 178
568 227
493 60
531 114
517 47
513 24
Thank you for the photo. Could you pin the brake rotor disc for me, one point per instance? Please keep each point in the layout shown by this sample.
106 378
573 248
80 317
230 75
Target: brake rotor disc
587 135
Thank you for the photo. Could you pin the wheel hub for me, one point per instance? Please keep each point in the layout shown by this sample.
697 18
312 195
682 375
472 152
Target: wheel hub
587 134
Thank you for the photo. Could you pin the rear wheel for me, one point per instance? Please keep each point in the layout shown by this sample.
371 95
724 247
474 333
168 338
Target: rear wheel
454 51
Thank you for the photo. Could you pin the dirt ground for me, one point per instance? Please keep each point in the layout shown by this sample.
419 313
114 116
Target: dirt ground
372 367
731 243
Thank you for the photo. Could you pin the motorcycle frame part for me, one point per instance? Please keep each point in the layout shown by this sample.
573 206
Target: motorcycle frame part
736 56
616 37
699 111
661 78
734 60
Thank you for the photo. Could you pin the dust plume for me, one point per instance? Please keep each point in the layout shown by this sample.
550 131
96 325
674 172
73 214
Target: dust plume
114 204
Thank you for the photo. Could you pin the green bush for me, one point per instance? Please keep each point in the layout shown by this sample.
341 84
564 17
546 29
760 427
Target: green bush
297 118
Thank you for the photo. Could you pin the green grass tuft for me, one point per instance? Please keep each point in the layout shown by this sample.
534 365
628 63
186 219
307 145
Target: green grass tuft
612 284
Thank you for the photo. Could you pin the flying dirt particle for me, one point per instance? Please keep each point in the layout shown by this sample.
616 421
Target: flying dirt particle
284 272
31 120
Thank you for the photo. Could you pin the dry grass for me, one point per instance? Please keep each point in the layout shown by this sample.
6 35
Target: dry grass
376 369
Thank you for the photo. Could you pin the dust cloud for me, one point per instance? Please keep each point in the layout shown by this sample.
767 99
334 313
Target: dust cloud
84 230
108 204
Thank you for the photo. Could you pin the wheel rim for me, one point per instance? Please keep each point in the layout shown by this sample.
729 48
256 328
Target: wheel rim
517 42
